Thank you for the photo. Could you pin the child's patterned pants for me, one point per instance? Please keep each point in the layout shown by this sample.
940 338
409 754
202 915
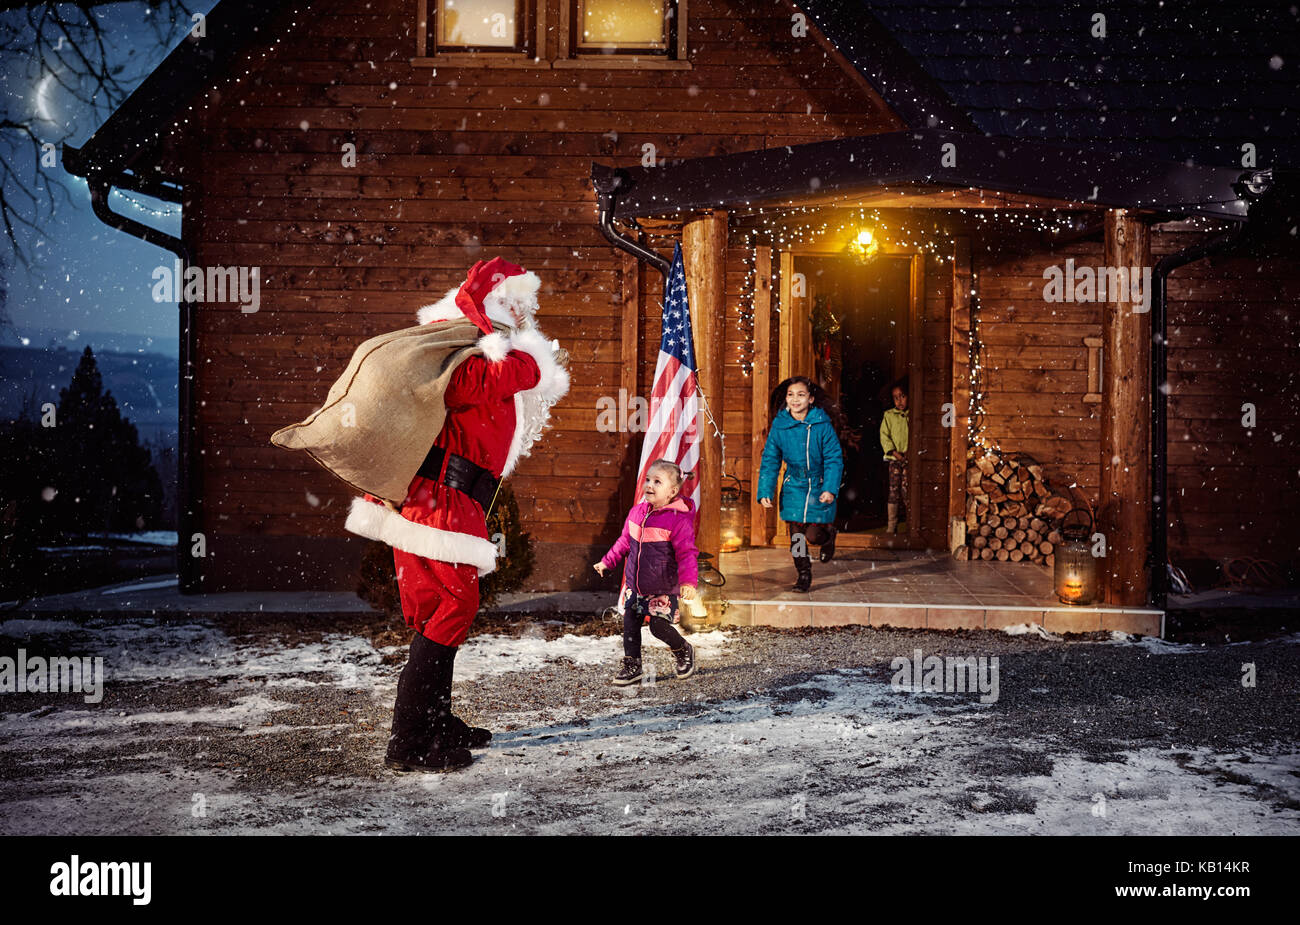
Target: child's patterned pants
634 613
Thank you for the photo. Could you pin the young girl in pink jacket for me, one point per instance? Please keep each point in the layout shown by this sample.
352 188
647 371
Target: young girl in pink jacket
658 540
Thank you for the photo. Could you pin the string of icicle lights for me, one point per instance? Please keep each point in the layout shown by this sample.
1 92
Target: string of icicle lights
145 207
975 420
790 227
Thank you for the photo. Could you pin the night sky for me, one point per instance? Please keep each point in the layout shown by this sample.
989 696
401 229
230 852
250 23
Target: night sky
84 277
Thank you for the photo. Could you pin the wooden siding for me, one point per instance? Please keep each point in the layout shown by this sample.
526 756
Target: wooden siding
454 165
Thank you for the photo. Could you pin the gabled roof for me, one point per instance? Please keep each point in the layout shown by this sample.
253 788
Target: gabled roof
134 131
1178 79
1191 79
829 170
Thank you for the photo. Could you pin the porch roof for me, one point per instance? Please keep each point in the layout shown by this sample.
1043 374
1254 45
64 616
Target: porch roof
835 172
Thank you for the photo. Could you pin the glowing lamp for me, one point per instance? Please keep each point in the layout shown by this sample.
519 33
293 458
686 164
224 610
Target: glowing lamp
1075 572
864 246
733 506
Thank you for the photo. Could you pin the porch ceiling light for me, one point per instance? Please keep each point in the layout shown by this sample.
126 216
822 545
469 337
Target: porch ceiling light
864 246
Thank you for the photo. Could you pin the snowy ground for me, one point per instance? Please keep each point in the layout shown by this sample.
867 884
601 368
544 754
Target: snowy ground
207 729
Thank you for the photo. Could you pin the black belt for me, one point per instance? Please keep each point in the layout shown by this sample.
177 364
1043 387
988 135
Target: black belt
463 475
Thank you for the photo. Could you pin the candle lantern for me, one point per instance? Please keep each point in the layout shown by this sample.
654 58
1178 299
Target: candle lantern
733 504
1075 573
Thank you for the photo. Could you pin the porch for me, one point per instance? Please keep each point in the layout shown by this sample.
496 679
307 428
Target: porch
866 262
920 589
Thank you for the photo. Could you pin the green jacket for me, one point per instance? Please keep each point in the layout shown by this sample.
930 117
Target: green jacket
893 432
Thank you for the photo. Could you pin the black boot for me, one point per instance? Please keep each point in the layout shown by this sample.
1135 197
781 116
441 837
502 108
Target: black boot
630 673
422 737
828 547
462 733
803 565
685 660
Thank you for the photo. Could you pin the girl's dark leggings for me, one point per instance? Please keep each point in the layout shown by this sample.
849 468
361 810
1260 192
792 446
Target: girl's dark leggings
633 616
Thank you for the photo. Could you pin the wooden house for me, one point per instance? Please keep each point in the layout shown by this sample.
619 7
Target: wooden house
364 155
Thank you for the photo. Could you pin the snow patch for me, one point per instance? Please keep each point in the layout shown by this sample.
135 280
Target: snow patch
1030 629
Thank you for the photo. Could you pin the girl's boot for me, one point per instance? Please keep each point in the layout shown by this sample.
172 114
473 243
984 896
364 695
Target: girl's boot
630 673
685 660
892 526
828 547
803 565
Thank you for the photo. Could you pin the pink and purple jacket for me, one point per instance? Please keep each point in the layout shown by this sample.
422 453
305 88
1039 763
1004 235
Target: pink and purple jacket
660 548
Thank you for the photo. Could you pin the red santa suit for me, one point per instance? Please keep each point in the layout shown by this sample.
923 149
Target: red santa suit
497 405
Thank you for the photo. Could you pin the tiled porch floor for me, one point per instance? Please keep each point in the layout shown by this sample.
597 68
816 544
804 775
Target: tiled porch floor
922 589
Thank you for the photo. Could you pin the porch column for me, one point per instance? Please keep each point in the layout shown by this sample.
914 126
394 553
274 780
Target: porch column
704 252
1123 513
760 533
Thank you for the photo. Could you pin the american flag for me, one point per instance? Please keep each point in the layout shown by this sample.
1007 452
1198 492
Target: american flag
673 432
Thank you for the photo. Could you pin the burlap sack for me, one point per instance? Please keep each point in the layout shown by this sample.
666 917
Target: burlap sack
382 415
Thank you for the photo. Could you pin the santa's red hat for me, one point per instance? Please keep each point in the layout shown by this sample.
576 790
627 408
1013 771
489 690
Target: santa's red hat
494 290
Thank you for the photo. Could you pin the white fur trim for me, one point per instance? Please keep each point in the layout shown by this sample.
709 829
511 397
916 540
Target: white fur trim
554 383
514 294
445 309
495 346
533 406
377 522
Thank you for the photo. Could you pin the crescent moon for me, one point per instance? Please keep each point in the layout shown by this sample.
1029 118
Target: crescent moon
43 109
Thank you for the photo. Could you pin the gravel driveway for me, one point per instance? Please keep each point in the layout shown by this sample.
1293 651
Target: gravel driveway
234 725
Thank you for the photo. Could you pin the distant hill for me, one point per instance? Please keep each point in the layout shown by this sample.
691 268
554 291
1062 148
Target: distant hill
144 384
166 343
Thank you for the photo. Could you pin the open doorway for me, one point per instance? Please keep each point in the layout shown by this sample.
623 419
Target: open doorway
861 324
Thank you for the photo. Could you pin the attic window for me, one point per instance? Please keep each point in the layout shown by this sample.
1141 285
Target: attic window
493 32
605 26
478 25
622 33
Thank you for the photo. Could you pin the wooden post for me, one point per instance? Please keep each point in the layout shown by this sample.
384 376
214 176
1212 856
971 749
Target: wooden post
1123 514
629 355
784 365
917 424
704 252
760 533
958 434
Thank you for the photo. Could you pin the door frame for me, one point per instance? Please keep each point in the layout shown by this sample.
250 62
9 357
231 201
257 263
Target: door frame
795 341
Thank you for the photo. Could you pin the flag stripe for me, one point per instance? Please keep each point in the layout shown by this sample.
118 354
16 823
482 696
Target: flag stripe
673 429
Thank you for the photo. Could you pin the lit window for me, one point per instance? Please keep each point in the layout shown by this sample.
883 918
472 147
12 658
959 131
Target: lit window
623 25
465 25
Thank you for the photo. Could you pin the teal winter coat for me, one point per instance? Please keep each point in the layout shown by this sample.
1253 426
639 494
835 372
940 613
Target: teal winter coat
814 463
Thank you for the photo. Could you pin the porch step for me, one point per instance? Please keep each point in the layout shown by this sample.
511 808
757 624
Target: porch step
1063 619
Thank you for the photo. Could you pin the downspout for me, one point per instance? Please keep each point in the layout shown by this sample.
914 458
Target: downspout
187 475
1160 399
607 180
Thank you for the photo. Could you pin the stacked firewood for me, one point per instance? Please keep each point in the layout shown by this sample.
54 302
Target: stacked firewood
1012 512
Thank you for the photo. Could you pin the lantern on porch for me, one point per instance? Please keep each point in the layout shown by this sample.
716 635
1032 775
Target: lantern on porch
864 246
733 516
1075 572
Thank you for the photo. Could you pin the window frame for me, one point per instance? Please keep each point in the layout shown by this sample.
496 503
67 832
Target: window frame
663 49
672 57
530 41
537 53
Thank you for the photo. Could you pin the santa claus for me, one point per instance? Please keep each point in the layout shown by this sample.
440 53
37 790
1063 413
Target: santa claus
494 404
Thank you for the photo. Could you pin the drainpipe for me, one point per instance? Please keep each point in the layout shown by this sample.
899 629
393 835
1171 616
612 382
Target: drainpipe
187 474
607 180
1159 395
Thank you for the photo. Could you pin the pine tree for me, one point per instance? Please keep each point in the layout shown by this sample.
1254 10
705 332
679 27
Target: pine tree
104 478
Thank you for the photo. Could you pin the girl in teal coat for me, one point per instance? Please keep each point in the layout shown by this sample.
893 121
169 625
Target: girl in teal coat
803 436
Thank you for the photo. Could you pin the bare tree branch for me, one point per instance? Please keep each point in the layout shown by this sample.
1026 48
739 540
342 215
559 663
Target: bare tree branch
65 47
